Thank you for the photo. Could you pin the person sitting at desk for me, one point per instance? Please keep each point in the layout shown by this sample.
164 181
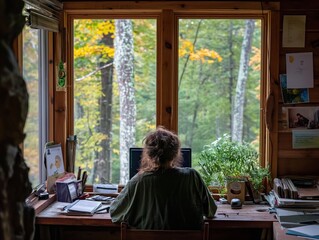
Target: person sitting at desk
162 195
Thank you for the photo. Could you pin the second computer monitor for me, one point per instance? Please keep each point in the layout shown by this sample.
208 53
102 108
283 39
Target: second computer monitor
136 155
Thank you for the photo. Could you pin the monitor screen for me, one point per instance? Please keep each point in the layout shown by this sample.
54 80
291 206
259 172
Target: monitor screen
136 154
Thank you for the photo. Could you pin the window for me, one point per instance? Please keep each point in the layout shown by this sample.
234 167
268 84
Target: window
184 65
219 75
114 87
35 74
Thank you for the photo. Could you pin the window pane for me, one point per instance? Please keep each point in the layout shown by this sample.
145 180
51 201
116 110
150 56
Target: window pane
114 93
210 57
31 76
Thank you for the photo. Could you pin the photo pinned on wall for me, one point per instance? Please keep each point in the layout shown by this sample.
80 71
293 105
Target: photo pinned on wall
292 95
302 117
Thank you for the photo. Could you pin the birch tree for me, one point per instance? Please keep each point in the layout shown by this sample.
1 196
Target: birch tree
124 69
239 101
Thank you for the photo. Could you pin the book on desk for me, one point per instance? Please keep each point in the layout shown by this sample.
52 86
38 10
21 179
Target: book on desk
297 187
84 207
297 205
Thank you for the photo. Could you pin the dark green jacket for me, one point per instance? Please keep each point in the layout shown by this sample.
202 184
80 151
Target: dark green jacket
175 198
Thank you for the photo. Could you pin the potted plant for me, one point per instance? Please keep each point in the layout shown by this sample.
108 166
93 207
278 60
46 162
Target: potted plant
224 159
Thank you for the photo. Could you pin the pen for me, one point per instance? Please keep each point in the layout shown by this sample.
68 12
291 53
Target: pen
84 175
79 173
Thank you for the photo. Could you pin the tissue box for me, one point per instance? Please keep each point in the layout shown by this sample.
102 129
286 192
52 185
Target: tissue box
68 191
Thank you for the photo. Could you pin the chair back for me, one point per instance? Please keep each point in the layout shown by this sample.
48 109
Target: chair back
128 233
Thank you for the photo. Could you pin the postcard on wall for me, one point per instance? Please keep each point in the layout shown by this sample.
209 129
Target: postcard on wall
294 31
292 95
299 70
301 117
305 139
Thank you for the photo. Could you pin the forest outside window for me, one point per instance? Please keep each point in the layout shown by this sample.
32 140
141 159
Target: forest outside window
219 81
114 93
35 70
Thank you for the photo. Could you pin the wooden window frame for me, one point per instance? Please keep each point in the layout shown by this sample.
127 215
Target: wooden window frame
167 15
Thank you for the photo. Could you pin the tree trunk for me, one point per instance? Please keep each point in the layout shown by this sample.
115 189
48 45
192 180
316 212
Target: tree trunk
231 69
238 106
104 165
124 70
197 104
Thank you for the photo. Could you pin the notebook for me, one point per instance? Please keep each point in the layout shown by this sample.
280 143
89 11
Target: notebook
82 207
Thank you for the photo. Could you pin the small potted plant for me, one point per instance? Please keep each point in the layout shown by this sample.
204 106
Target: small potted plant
224 159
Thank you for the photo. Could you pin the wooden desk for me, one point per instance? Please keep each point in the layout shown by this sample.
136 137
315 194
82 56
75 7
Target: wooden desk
251 222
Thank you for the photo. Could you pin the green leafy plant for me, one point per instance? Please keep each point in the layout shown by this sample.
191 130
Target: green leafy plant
224 159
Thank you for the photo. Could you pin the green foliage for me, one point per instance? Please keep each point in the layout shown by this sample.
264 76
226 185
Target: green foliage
223 159
89 51
206 88
31 76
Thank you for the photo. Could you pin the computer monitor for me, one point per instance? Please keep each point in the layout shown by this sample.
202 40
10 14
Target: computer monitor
136 155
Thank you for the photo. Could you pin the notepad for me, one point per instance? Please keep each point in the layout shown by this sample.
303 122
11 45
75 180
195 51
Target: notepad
297 215
82 207
311 231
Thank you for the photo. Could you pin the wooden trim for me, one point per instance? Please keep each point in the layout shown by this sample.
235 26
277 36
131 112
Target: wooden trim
69 71
173 5
165 88
40 205
272 138
17 50
50 88
60 102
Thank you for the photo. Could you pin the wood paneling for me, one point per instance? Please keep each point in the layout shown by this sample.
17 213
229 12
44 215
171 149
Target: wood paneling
299 161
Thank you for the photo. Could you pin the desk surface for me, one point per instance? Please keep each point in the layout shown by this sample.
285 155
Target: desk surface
280 233
256 216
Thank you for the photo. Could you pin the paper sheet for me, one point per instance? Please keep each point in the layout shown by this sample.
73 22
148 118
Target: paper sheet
299 70
294 31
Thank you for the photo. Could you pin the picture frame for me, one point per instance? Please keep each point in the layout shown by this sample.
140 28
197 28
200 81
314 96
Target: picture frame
301 117
292 95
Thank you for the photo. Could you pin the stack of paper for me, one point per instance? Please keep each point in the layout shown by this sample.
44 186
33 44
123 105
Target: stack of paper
300 203
297 217
309 231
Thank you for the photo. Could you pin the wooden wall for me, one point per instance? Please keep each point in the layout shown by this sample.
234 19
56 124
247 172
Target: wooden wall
296 161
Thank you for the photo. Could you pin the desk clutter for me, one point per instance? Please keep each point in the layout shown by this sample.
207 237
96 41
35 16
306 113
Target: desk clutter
85 208
297 187
303 222
296 205
89 206
69 187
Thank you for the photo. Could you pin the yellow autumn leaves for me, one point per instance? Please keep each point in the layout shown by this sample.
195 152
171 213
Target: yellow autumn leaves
89 35
203 54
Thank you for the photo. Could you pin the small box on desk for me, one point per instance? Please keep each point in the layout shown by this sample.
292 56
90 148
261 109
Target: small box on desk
105 188
68 191
236 189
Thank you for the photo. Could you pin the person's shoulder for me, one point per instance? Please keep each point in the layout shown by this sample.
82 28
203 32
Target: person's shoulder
140 176
187 170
